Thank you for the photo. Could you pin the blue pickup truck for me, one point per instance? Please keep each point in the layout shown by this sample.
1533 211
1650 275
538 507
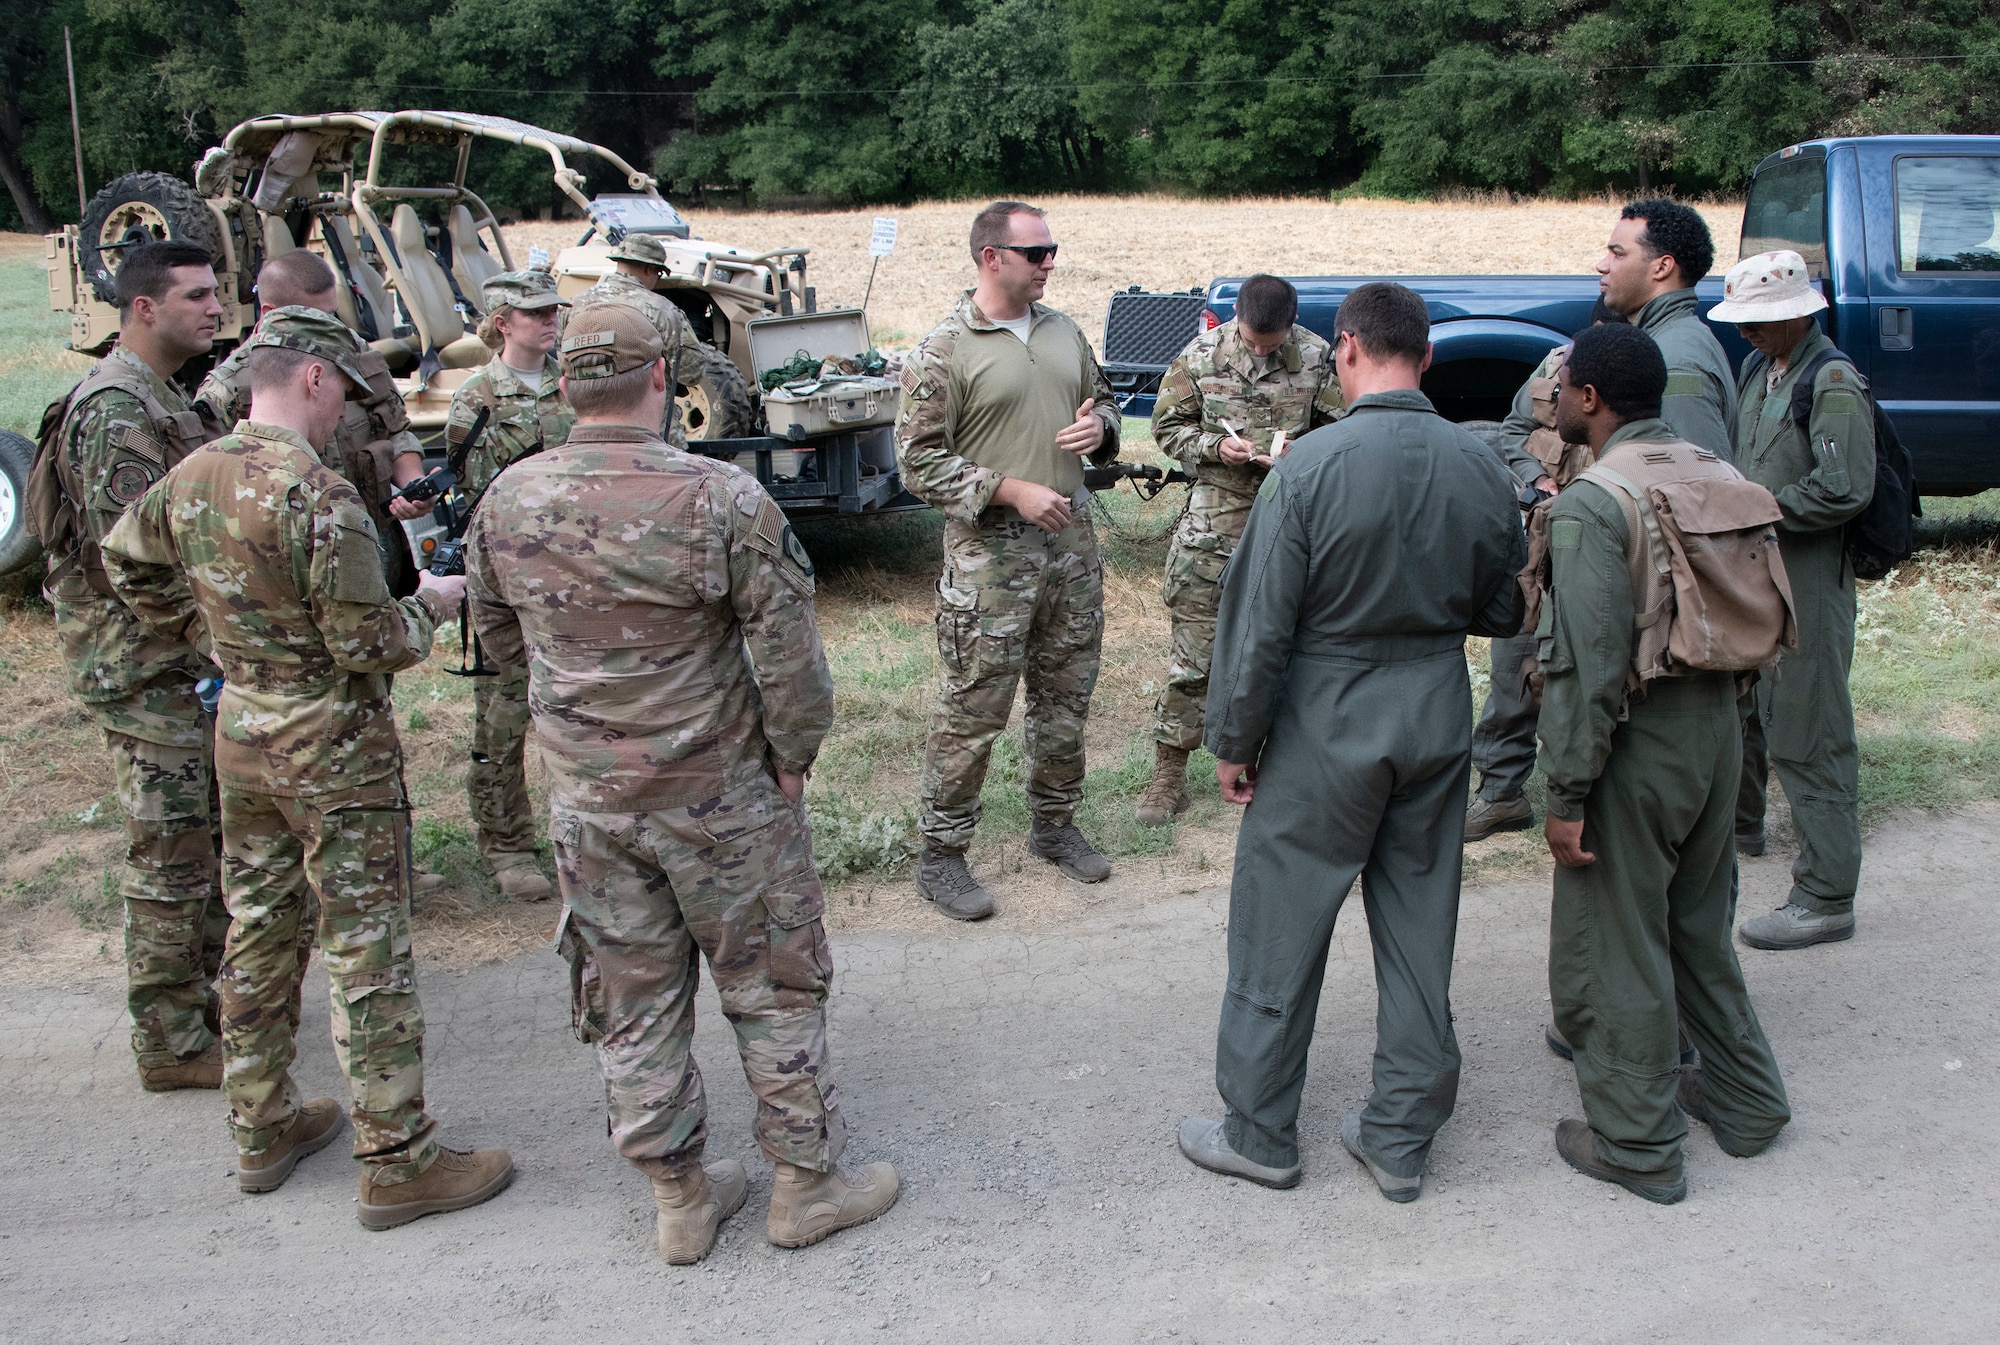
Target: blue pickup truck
1902 234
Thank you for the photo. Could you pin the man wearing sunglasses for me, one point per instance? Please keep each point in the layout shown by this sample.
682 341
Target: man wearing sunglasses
1004 402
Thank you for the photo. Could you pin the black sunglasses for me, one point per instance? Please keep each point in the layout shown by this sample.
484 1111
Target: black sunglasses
1036 254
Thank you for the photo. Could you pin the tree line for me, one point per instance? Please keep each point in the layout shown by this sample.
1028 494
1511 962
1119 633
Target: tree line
882 100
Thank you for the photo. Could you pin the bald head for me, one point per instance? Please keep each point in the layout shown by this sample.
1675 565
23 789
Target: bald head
296 279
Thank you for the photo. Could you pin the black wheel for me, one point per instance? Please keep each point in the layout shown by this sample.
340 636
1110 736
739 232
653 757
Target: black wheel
718 405
18 546
141 208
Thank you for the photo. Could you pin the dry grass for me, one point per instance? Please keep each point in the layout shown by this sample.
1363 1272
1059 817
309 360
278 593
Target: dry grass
1165 243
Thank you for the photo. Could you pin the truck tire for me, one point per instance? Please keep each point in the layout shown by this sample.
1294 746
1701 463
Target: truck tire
18 545
718 405
141 208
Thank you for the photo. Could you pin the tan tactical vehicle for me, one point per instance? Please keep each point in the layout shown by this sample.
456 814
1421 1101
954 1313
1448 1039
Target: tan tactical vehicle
411 258
383 197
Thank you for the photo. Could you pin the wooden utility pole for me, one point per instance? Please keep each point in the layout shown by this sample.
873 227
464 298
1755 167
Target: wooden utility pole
75 125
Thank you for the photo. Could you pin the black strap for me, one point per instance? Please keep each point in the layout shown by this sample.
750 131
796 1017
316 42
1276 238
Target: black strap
364 311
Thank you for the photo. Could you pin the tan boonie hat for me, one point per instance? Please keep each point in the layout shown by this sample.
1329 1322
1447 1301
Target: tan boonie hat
607 339
1769 287
311 332
642 248
525 290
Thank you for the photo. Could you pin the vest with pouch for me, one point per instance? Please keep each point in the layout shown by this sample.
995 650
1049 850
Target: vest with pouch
1709 590
53 511
1563 462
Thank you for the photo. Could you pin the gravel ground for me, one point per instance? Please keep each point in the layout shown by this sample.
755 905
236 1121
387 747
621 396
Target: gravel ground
1028 1083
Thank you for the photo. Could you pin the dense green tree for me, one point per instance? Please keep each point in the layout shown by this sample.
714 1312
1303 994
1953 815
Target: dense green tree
865 100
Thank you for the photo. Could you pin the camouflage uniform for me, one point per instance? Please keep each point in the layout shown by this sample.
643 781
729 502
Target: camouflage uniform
1218 378
123 428
1013 601
665 610
374 434
524 421
276 555
683 350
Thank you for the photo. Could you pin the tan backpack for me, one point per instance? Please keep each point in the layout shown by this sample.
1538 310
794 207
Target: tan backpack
1709 589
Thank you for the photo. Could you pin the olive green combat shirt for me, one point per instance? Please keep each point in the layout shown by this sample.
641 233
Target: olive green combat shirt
981 405
275 556
1825 477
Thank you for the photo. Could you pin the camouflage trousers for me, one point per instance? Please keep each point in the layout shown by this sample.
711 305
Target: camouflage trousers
1014 604
175 922
645 896
351 848
1203 541
496 786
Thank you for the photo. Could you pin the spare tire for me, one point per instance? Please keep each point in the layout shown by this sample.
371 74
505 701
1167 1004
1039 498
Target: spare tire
18 545
717 405
141 208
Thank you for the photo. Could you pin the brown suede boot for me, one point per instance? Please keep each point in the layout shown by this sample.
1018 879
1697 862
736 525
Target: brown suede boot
1166 795
520 879
808 1205
200 1070
313 1127
455 1181
692 1209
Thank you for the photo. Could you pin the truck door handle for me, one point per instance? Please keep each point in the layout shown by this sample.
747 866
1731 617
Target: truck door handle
1898 328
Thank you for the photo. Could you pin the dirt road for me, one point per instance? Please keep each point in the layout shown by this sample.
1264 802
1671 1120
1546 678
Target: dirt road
1028 1085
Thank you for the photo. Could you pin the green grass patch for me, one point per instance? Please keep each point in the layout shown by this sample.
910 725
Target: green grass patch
849 837
36 366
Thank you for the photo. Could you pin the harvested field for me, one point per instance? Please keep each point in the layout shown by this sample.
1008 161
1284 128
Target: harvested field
1165 243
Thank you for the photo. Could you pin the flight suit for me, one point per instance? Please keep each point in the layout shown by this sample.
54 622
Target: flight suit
1375 546
1643 933
1803 719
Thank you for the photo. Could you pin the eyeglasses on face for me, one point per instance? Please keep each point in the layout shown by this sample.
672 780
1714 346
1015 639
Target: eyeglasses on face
1035 253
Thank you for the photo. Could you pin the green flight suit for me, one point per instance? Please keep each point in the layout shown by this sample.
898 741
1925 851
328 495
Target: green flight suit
1375 545
1699 406
1803 719
1644 932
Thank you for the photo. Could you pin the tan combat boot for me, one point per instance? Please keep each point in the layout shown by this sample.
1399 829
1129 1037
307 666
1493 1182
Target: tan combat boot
1166 795
808 1205
200 1070
313 1127
455 1181
693 1207
521 880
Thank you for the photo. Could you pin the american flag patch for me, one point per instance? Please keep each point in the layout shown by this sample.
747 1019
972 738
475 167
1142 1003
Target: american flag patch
136 439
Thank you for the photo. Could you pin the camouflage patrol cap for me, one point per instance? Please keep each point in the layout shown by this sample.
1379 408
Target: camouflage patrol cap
608 339
642 248
311 332
525 290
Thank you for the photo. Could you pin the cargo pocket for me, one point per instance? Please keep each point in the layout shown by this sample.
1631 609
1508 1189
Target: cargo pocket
801 961
587 1013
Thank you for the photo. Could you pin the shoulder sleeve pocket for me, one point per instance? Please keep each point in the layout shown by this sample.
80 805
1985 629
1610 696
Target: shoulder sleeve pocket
357 557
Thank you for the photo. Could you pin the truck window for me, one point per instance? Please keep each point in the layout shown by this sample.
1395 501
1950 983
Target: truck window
1787 209
1945 209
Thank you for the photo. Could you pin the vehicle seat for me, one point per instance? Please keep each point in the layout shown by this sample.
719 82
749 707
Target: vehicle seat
353 266
470 261
422 283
